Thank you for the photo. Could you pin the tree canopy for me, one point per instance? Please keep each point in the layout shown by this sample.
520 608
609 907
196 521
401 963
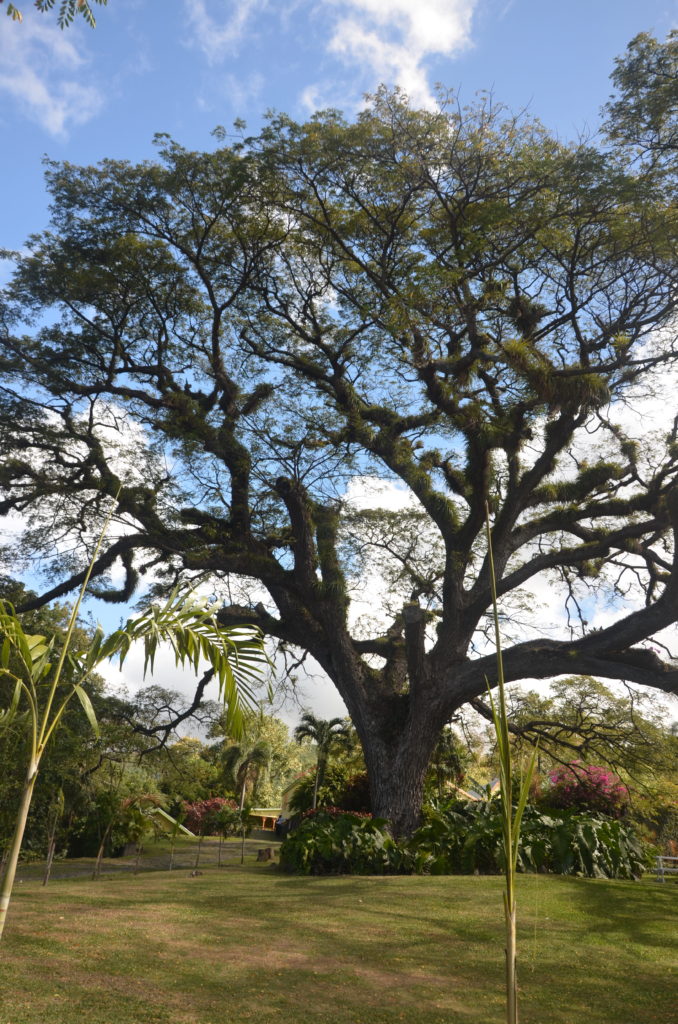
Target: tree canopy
454 301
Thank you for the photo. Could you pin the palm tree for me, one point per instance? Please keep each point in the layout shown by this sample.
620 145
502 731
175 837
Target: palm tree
244 764
42 690
446 761
328 737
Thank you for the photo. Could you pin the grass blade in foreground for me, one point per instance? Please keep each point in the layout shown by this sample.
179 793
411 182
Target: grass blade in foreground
510 823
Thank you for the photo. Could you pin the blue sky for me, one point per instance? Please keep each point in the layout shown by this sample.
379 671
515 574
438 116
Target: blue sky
184 66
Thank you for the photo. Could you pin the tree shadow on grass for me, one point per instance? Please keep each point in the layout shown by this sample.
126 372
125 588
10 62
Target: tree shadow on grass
348 950
642 913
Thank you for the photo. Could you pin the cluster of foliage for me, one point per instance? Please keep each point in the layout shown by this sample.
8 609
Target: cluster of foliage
260 765
91 792
207 817
621 745
340 788
88 784
243 765
588 787
464 838
582 719
329 737
338 777
36 667
67 12
655 812
332 812
336 843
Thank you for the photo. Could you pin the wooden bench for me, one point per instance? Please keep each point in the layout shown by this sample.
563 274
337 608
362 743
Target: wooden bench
666 866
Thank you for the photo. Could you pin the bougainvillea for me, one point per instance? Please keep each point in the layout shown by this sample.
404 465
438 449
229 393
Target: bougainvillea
202 817
587 787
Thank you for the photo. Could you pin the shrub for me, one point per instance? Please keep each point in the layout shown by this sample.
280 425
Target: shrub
464 838
205 817
329 794
597 847
332 812
331 842
355 795
577 786
458 838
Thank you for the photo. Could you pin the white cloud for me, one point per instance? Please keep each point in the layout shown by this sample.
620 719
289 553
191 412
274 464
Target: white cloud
390 41
38 64
218 39
239 90
395 38
373 492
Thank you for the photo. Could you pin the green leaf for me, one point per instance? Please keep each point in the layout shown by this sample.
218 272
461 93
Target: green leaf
9 714
522 801
88 709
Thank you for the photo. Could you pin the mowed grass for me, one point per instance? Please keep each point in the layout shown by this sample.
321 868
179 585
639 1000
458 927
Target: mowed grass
250 944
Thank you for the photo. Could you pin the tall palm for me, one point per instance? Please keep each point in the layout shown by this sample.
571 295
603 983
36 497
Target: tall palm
328 736
35 664
446 761
244 764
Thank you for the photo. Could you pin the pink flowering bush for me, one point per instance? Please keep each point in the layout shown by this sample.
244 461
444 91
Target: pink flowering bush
204 816
579 786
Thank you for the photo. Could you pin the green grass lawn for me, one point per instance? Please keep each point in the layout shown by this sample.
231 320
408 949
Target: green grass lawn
250 944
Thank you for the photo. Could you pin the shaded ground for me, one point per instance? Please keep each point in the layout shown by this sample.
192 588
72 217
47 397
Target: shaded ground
251 944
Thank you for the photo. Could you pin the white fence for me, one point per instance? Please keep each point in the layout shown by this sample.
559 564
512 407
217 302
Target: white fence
666 866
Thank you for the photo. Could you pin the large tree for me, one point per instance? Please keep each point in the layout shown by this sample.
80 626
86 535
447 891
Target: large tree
452 300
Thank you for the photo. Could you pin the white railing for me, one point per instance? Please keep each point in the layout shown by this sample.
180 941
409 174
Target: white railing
666 866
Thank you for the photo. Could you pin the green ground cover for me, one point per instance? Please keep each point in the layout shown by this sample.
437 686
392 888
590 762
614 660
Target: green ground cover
250 944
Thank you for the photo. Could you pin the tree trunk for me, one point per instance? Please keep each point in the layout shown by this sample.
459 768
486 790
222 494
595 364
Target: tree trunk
398 723
397 755
15 847
51 846
100 851
316 785
397 795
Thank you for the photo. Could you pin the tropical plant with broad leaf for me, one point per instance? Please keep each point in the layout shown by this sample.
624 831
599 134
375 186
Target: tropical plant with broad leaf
36 665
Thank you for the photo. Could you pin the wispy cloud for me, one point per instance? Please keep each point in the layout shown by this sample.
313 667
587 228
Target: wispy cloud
219 38
389 41
393 39
38 66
